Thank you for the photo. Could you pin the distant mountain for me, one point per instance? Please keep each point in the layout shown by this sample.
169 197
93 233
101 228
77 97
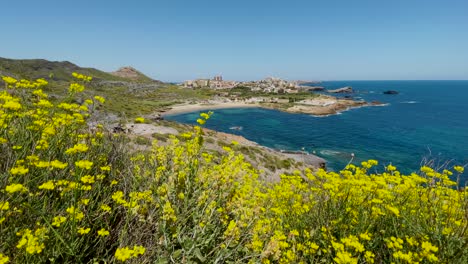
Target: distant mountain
131 73
62 70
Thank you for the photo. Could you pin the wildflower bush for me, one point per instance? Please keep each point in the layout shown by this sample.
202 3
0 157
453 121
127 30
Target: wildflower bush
71 192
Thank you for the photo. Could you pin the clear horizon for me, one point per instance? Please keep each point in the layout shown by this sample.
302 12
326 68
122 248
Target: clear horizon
299 40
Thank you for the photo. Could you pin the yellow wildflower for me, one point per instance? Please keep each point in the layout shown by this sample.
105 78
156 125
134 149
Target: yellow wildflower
369 256
106 208
459 169
84 164
32 243
83 231
15 187
49 185
9 80
125 253
103 232
105 168
365 236
76 214
4 206
76 88
4 259
58 164
87 179
139 120
343 257
12 105
20 170
100 99
58 220
77 148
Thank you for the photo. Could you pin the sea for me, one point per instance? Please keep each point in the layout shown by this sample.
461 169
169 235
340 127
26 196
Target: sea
427 121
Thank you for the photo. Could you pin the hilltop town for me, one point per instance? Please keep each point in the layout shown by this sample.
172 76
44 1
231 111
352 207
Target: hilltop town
267 85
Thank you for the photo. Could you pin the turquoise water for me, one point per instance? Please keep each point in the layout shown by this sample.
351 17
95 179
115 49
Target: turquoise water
426 120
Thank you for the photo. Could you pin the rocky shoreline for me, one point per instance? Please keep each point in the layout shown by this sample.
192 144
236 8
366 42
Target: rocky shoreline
321 106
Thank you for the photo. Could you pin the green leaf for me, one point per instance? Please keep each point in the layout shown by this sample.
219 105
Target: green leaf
199 255
177 253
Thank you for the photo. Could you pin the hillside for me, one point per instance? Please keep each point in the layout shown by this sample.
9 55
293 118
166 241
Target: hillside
53 70
128 91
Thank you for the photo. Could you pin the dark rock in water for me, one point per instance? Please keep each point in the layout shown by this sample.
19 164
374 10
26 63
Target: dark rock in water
236 128
347 89
348 97
390 92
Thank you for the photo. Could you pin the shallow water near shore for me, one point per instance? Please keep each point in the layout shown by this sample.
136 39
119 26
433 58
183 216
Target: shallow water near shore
426 120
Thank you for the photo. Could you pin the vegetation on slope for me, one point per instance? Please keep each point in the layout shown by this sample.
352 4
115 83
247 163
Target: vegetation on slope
74 193
128 97
53 70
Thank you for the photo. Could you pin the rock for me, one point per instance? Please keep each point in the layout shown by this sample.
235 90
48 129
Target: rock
149 129
390 92
347 89
119 129
306 158
316 88
156 117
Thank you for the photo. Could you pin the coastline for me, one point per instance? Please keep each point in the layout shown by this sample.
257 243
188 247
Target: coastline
319 107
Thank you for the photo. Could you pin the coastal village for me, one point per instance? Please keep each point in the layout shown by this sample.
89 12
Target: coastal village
272 93
267 85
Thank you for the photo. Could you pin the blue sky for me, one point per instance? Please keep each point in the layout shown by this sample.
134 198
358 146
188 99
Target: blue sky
174 40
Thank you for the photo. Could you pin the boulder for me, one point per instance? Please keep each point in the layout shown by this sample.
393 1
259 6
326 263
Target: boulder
390 92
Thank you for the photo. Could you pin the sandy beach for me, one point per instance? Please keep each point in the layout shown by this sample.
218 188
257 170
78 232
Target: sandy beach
188 108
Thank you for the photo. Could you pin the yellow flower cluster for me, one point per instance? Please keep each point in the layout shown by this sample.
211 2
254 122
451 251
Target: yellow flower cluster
103 232
82 77
77 148
204 118
23 84
76 88
126 253
32 242
4 259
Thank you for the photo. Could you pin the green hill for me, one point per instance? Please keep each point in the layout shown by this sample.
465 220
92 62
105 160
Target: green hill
59 71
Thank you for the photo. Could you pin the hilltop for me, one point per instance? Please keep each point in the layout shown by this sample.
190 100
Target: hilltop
131 73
